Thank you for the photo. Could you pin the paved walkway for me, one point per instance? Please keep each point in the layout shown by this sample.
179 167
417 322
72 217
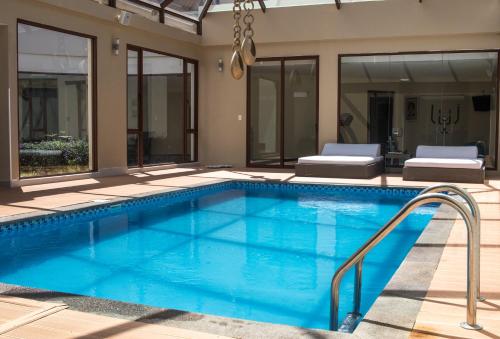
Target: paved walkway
443 307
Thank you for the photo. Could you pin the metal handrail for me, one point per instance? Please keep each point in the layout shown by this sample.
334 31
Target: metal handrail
359 255
474 207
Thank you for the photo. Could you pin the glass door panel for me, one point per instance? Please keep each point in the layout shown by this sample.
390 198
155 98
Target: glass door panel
300 109
191 136
133 104
442 99
162 108
283 111
265 114
163 116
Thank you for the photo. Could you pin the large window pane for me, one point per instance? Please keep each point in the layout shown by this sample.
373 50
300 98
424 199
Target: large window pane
403 101
300 112
265 114
163 109
55 110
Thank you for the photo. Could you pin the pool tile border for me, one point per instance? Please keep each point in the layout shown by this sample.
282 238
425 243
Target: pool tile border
39 220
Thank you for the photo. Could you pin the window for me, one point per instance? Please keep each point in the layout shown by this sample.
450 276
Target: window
56 111
405 100
162 108
283 111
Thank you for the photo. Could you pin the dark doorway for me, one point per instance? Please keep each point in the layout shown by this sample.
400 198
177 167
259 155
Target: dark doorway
381 105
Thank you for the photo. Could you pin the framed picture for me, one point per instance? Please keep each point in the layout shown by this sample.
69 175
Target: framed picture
411 108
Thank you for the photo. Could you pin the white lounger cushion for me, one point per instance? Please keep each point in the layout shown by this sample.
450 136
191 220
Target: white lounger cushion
363 150
339 160
444 163
447 152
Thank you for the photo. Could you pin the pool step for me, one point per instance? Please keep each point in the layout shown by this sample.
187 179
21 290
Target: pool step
350 322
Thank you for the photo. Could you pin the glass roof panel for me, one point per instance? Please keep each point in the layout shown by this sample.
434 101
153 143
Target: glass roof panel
189 8
227 5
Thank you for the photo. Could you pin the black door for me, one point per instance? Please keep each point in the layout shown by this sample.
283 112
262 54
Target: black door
380 118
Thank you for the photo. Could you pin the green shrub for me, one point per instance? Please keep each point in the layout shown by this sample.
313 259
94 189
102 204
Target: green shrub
60 152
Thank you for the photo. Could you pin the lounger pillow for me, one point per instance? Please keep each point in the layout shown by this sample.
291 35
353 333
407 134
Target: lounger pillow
446 157
345 154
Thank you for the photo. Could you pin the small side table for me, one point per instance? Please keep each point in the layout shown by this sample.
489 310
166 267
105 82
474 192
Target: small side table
394 161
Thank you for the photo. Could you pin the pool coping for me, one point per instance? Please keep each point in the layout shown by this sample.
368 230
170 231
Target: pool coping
392 315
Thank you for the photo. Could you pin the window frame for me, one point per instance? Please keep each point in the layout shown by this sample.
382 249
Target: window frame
93 105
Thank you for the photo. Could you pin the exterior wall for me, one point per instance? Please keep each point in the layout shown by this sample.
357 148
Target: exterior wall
89 18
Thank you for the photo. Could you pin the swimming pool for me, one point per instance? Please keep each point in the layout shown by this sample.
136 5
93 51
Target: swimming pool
257 251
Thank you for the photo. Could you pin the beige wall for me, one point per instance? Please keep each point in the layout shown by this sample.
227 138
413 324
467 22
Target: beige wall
93 19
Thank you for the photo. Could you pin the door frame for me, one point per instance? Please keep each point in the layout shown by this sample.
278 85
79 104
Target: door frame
282 61
140 89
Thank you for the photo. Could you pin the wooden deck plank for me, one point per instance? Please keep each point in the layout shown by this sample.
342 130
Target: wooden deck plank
74 324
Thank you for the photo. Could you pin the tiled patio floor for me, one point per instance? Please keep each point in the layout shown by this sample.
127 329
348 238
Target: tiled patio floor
444 305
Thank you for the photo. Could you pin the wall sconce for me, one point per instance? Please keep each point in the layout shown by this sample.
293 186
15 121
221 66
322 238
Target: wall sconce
115 46
220 65
124 18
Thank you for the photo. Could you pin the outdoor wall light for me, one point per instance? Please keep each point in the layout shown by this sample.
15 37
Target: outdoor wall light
124 18
115 46
220 65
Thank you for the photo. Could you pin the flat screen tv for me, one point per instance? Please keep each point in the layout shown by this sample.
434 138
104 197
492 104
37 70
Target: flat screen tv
482 103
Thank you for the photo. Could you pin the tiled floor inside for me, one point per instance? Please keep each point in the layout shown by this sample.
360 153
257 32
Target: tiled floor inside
443 307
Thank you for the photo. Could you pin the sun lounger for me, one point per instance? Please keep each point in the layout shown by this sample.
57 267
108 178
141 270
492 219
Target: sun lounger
343 161
445 163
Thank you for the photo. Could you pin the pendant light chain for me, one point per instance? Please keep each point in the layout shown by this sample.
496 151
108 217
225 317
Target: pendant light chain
248 19
236 26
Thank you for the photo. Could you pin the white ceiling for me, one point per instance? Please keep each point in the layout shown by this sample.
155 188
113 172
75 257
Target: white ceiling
424 68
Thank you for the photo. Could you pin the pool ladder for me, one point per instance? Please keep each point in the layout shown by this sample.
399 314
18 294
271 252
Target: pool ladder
433 194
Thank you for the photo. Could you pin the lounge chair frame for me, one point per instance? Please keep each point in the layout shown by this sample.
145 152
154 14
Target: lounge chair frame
340 171
463 175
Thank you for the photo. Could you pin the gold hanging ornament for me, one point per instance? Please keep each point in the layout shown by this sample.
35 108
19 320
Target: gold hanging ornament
248 51
237 66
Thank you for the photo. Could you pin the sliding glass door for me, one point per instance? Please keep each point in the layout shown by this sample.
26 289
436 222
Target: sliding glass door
445 99
162 115
282 111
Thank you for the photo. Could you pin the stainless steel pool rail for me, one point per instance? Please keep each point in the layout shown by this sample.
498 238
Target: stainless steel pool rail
359 255
474 207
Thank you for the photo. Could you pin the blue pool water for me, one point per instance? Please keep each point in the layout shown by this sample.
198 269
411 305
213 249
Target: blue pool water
264 252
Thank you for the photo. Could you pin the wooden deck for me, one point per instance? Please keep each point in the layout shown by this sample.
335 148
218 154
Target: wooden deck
24 318
442 310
